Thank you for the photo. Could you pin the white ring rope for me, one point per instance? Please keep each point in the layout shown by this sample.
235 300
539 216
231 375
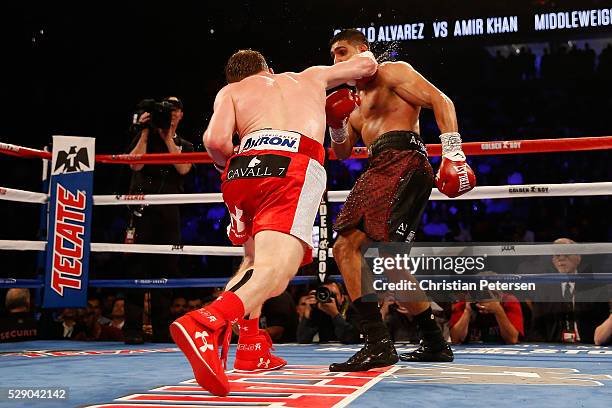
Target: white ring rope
512 191
484 192
23 196
509 249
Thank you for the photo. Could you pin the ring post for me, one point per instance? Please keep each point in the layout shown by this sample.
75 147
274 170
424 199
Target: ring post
69 233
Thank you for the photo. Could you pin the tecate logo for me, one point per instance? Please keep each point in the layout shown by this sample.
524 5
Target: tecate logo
67 256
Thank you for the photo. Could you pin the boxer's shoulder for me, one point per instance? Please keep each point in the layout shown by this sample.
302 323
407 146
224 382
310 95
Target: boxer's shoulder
392 73
392 67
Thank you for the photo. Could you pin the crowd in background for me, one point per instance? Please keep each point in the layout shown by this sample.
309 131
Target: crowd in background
562 312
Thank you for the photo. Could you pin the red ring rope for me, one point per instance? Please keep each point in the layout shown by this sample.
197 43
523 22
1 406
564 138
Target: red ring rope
470 149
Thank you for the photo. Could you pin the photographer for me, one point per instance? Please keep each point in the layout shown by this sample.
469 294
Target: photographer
328 313
494 318
154 131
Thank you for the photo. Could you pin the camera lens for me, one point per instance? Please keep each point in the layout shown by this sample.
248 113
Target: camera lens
323 294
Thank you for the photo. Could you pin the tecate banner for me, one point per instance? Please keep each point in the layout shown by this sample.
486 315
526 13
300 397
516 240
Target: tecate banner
70 206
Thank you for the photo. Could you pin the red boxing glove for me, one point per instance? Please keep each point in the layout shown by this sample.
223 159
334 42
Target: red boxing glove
455 177
339 105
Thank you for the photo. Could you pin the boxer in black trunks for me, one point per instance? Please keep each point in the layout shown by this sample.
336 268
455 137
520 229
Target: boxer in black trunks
387 201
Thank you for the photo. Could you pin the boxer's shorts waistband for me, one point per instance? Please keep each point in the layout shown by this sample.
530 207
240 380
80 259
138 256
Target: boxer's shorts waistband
398 140
282 140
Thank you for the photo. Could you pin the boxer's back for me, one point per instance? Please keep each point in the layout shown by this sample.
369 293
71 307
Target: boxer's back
287 101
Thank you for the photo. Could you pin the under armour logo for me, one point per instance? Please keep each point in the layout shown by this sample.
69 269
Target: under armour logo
71 160
203 335
212 319
263 363
254 162
237 220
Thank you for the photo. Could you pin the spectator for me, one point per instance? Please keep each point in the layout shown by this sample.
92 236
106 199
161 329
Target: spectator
155 224
118 313
88 328
566 312
603 332
194 304
68 321
58 326
334 320
178 307
279 318
95 304
108 300
19 324
494 319
399 322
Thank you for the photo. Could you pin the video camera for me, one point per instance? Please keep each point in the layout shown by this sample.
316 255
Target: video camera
161 113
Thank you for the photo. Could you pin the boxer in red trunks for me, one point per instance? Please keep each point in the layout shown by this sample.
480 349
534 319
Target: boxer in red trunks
387 201
272 187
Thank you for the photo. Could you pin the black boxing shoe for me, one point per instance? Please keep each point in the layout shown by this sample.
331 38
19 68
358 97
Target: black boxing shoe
374 354
426 354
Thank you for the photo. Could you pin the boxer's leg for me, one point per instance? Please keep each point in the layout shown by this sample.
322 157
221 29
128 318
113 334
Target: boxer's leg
200 334
254 345
378 350
272 269
412 197
247 263
348 257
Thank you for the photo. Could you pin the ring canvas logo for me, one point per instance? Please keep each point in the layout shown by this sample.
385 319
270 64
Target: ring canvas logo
70 205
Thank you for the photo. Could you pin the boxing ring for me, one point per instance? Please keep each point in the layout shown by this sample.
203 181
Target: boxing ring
103 374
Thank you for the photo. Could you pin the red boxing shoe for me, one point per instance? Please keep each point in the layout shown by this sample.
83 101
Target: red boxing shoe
253 351
199 335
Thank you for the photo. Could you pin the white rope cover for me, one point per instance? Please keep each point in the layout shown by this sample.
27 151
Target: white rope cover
205 198
506 249
11 194
484 192
512 191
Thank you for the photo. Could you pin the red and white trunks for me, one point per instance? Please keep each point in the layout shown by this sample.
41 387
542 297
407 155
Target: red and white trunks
274 183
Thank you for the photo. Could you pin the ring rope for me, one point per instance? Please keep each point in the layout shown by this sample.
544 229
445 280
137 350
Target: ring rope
305 279
482 192
469 148
510 249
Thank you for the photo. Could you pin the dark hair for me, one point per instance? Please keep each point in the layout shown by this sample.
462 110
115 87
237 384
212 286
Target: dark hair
174 101
338 285
244 63
93 296
351 35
